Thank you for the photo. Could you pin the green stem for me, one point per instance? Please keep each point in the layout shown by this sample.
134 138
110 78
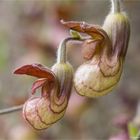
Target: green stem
115 6
62 54
10 109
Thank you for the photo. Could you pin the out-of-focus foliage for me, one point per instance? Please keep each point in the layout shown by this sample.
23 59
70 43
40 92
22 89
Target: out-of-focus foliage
30 32
133 131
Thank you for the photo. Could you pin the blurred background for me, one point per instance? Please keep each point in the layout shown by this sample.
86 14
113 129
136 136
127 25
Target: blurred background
30 32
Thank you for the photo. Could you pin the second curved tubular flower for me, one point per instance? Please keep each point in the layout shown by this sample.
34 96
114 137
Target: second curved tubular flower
104 51
56 83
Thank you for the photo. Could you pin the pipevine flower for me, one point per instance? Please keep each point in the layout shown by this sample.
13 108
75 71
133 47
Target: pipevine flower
104 51
56 83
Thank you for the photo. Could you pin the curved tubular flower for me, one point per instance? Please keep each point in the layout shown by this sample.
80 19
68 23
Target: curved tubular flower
43 111
104 51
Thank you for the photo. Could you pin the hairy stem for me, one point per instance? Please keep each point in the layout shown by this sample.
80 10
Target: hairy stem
10 109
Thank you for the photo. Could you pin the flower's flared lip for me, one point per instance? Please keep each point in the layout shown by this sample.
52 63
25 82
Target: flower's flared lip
36 70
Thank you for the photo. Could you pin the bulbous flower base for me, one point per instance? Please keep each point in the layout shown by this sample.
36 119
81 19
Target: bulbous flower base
90 81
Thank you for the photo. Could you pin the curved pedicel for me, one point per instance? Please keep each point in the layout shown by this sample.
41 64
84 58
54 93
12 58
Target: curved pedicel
104 51
44 110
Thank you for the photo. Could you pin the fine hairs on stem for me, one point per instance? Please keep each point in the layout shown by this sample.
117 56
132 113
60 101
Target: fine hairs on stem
116 6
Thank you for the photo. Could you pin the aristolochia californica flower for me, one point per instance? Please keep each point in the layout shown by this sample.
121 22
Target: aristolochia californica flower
104 51
41 112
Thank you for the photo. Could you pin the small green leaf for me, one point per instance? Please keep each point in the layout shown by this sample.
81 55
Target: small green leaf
75 34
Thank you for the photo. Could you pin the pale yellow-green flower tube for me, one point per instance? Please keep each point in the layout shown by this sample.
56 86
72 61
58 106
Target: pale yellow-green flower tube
56 83
104 52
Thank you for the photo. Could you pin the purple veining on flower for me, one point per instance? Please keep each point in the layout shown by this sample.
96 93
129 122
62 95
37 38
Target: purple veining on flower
104 50
43 111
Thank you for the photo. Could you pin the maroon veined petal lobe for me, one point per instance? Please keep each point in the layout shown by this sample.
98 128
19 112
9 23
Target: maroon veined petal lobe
30 114
36 70
37 84
90 47
92 30
47 88
46 114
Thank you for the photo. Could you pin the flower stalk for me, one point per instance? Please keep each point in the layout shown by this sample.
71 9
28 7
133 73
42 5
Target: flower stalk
62 52
115 6
11 109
